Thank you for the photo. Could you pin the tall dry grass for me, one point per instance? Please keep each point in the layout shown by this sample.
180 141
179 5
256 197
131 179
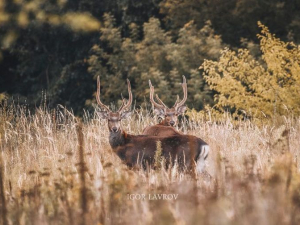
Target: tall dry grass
56 170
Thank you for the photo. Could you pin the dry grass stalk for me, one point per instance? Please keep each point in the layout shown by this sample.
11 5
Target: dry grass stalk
82 169
3 210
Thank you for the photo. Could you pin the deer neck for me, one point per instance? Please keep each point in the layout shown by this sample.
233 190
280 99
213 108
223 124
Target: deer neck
116 139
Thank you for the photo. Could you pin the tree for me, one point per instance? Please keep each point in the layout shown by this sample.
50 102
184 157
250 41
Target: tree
234 19
155 57
179 12
40 39
44 45
245 85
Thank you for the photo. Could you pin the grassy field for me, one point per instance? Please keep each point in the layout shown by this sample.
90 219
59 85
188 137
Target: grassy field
55 170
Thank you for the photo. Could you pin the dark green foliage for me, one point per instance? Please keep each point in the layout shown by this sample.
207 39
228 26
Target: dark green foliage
45 45
235 19
46 50
155 57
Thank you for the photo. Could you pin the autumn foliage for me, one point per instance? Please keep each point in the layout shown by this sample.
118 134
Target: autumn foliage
257 87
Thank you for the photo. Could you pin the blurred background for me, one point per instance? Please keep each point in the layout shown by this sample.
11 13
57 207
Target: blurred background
57 48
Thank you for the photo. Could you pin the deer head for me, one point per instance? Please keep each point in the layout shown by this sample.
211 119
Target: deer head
114 118
170 115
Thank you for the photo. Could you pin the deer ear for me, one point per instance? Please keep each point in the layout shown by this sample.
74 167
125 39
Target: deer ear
159 112
125 115
103 114
181 109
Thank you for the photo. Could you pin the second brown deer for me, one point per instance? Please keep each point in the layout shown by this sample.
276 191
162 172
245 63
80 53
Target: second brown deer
169 115
187 151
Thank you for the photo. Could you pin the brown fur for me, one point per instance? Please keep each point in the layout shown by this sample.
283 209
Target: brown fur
160 130
140 149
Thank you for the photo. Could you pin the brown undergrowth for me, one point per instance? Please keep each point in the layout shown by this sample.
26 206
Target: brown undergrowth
56 170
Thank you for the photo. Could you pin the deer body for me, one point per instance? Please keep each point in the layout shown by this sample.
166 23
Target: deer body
140 150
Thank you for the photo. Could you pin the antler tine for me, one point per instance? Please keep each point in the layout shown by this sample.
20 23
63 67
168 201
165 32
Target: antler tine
98 96
162 105
123 106
184 88
177 100
160 101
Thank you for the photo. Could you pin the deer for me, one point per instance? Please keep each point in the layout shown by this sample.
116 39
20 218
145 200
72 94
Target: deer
187 151
170 115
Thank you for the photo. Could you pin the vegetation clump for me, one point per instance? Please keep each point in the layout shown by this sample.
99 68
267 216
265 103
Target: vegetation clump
55 169
257 88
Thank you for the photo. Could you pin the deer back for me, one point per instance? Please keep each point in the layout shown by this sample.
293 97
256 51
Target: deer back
160 130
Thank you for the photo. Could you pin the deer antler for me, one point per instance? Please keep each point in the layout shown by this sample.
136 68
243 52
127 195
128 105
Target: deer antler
98 96
122 105
177 100
125 106
184 87
160 101
161 105
177 104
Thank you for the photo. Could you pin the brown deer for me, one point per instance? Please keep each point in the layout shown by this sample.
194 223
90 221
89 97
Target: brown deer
135 150
170 115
